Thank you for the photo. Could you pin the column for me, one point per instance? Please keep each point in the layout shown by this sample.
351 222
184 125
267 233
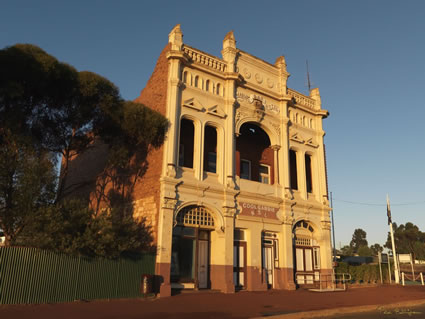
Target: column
285 272
302 187
222 254
276 149
164 246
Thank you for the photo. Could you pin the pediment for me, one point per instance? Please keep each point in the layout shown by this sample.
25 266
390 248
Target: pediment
194 103
297 138
217 111
310 142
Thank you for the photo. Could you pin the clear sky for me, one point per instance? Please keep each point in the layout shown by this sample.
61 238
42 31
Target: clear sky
367 58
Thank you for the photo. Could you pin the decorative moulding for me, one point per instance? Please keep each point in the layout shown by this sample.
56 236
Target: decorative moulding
310 142
217 111
194 104
296 138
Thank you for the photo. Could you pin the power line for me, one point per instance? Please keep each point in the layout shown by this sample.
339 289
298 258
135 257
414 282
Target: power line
382 205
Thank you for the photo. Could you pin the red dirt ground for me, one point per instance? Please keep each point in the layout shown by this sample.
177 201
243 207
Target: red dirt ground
207 305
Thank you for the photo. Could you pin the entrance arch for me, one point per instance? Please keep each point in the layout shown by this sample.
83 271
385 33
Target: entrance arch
306 254
190 258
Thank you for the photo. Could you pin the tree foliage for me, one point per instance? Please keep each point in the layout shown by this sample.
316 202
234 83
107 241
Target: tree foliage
376 249
27 182
408 240
358 239
49 109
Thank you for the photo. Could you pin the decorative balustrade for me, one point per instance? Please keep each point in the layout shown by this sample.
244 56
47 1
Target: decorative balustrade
302 99
205 59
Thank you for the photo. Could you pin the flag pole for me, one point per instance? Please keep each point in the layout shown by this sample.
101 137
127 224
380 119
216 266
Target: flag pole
396 271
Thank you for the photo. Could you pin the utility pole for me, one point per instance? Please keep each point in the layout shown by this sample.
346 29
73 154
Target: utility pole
396 271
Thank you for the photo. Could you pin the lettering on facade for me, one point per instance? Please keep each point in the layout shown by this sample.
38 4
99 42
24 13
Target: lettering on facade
262 211
270 107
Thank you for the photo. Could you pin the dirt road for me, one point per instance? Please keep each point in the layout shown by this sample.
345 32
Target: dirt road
207 305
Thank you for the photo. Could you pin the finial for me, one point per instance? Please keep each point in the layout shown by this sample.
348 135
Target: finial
229 40
176 38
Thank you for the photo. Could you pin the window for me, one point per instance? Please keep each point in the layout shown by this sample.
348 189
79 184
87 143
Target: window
218 89
245 169
187 132
316 256
212 162
239 234
308 176
293 169
264 174
196 81
210 149
207 85
181 155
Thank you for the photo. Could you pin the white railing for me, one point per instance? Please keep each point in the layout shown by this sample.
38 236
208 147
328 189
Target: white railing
412 278
333 282
302 99
202 58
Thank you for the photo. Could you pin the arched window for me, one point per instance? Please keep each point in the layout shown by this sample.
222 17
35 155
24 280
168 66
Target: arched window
185 77
210 149
218 89
207 85
196 81
196 216
293 169
308 173
187 133
254 157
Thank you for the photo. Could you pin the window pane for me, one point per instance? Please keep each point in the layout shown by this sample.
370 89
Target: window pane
212 162
245 169
293 169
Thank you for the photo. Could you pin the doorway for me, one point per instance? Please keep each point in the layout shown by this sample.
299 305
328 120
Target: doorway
190 257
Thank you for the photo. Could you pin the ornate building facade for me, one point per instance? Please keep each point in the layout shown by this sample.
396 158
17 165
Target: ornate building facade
242 201
237 195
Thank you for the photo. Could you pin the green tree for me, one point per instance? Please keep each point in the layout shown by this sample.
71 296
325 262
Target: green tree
27 183
408 240
358 239
71 227
347 251
364 251
376 249
57 110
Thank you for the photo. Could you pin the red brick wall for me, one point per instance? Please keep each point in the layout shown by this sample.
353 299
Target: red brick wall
154 96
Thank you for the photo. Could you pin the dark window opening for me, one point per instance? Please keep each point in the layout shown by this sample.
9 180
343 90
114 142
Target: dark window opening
308 176
254 157
210 149
187 133
293 169
245 169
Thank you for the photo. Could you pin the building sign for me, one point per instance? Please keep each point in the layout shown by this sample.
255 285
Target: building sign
383 258
404 258
262 211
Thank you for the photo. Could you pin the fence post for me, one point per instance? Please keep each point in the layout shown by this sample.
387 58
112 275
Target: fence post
77 278
402 278
422 279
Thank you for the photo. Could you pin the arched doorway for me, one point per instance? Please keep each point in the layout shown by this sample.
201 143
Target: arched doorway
190 257
306 255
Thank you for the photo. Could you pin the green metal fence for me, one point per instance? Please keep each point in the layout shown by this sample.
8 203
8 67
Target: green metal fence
30 275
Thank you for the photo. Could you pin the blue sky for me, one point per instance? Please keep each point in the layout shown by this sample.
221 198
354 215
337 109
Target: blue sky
367 58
